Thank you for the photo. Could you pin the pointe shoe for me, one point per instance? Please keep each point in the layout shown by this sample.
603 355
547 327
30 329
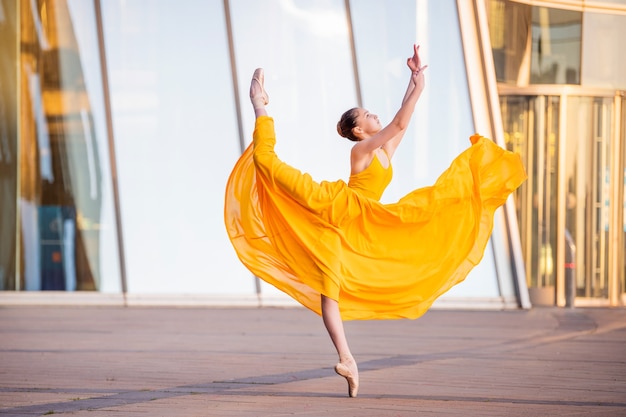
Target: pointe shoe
258 98
351 377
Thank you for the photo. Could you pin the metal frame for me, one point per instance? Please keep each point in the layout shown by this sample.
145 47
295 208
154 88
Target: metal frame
235 80
485 104
111 142
234 76
355 65
556 90
18 150
577 5
616 215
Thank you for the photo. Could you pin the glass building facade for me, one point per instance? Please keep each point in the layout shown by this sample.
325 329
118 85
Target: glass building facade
120 122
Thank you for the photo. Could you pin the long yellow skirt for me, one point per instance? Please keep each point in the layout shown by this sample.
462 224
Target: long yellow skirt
379 261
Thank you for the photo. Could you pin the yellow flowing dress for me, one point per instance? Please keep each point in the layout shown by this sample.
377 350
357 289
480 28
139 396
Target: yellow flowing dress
379 261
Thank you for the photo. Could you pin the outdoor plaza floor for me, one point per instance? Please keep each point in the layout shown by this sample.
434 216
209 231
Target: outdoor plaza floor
166 361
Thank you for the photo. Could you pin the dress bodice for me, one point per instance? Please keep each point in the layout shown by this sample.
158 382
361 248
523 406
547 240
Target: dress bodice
372 181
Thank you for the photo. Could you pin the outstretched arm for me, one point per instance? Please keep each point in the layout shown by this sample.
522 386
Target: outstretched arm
389 137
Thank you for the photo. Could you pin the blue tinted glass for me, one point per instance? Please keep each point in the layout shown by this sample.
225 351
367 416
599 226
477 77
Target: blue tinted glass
68 224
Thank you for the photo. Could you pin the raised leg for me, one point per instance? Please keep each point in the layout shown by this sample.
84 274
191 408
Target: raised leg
258 95
347 366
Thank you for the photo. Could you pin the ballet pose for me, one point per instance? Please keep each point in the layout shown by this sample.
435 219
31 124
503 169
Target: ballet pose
336 249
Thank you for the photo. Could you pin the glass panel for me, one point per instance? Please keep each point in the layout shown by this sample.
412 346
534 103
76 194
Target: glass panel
531 128
517 120
8 142
604 3
577 176
547 53
587 179
546 167
177 141
305 50
383 32
601 139
556 45
304 47
444 109
603 39
443 120
68 231
509 30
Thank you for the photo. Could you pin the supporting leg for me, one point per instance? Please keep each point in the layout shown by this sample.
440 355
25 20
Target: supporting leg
330 308
347 366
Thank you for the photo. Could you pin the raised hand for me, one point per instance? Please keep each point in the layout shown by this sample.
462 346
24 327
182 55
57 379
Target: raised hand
415 63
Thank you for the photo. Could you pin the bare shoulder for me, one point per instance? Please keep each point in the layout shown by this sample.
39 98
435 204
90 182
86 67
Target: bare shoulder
360 158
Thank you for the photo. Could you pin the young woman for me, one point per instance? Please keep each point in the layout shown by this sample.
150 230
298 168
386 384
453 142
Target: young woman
336 249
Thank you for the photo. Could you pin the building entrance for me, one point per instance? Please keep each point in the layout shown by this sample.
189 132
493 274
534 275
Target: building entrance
571 209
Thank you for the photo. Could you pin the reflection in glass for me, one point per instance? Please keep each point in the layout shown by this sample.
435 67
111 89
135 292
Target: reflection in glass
535 45
67 228
509 31
587 181
8 142
517 119
556 45
531 128
578 181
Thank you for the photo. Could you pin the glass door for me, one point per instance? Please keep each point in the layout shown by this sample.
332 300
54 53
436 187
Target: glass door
587 179
566 214
531 129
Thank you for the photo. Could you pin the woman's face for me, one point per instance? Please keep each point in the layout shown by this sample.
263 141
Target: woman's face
368 123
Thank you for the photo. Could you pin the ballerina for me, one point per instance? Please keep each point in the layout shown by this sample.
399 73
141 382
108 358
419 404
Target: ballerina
335 248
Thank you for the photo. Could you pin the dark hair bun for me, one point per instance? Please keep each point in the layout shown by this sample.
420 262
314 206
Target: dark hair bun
347 122
339 129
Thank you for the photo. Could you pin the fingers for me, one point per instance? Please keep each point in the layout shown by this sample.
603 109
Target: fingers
414 62
416 57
